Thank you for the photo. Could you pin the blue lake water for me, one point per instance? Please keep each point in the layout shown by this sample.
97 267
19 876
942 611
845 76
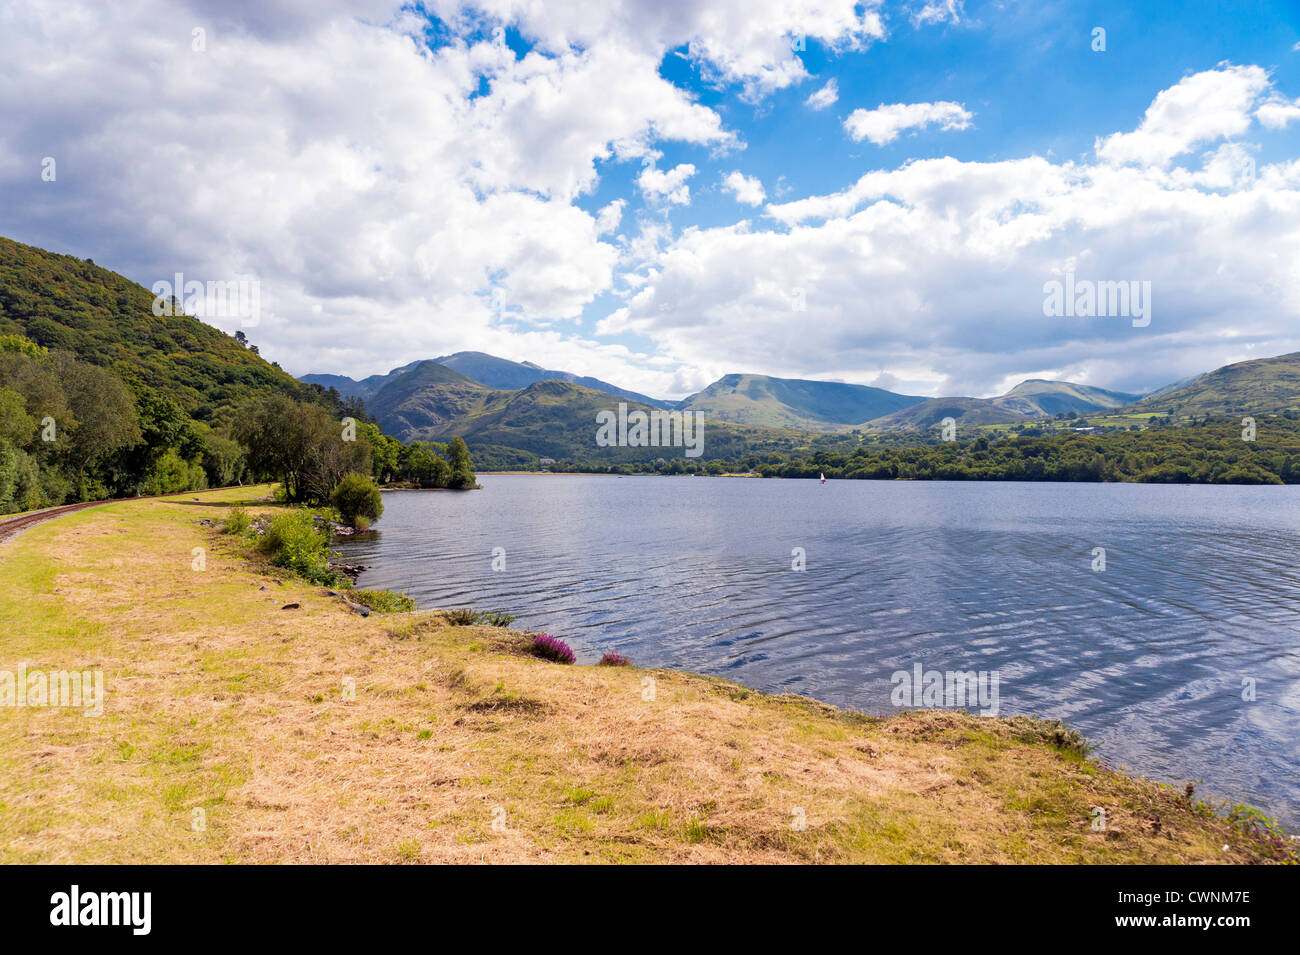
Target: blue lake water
1200 593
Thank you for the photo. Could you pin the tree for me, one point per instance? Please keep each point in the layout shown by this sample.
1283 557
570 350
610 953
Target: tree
357 500
301 444
462 471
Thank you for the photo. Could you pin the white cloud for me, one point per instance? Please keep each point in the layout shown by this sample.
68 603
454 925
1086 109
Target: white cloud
747 42
669 185
1277 112
826 96
883 124
746 189
1201 108
932 274
939 11
608 218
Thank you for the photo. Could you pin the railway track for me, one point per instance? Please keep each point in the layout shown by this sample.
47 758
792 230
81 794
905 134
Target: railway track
16 525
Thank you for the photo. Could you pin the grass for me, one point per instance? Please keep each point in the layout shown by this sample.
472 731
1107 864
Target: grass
383 601
316 735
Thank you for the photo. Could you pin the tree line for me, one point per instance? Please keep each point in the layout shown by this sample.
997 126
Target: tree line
1213 450
73 431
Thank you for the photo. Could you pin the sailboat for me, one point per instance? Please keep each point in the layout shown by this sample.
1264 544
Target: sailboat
823 477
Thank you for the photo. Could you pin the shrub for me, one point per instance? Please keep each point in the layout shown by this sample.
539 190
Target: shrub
292 541
551 648
614 660
384 601
494 618
236 522
463 617
357 498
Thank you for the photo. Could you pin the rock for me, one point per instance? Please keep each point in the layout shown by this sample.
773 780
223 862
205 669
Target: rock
352 571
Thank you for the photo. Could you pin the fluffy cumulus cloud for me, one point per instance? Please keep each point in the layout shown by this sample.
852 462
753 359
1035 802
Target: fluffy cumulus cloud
746 189
932 274
1277 112
884 123
667 185
1202 108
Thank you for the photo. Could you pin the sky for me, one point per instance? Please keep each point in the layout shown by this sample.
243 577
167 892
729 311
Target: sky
661 192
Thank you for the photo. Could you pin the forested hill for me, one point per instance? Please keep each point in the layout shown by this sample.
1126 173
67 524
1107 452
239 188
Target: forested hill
101 397
70 304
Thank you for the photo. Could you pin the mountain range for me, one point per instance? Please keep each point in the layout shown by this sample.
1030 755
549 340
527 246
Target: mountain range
553 414
424 399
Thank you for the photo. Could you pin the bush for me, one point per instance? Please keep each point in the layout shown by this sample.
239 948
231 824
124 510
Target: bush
384 601
494 618
356 497
551 648
463 617
292 541
172 473
236 522
614 660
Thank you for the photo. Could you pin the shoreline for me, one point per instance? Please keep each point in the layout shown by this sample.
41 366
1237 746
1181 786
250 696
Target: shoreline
308 733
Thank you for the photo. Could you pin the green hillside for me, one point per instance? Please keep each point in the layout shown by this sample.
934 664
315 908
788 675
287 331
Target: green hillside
763 401
499 374
1038 397
551 418
1255 387
101 398
65 303
425 401
928 414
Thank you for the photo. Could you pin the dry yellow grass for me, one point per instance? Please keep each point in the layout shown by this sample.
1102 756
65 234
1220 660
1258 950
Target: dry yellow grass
314 735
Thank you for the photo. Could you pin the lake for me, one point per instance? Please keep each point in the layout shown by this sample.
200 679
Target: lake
1198 604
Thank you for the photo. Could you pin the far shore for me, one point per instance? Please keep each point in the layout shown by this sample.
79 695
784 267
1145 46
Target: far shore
607 474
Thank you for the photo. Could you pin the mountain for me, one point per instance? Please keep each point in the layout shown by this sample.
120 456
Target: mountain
506 375
965 411
67 303
1038 397
764 401
425 399
488 370
350 388
1033 398
1172 386
548 418
1259 386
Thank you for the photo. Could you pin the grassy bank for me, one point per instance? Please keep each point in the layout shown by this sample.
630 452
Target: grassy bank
311 734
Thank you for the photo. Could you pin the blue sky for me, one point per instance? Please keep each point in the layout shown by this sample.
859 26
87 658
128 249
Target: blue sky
546 182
